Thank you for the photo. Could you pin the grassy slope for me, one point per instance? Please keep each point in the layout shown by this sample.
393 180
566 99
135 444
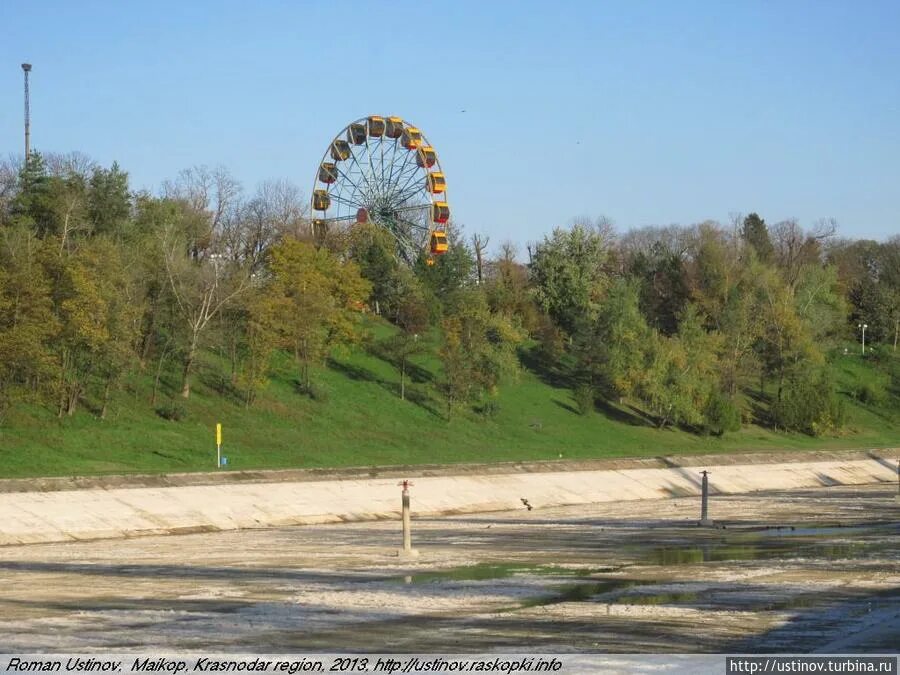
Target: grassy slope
364 423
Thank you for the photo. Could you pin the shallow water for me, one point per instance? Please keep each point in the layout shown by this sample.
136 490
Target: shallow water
787 572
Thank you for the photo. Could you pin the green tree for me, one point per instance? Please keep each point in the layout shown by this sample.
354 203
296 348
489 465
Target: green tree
507 290
412 321
740 323
568 272
809 403
257 343
612 351
451 271
109 202
318 301
479 348
98 319
28 325
373 249
664 287
785 345
756 234
681 373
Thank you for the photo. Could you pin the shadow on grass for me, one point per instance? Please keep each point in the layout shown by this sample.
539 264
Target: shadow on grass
414 372
760 408
626 414
414 395
565 406
553 374
220 383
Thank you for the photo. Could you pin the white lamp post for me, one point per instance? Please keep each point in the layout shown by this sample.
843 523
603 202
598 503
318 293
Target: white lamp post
863 327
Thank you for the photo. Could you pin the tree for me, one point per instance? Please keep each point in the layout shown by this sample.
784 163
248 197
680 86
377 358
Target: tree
451 271
785 345
373 249
568 271
121 293
867 272
714 269
507 290
10 170
755 233
257 342
740 324
28 325
612 351
412 321
211 198
796 248
200 288
479 245
819 303
809 403
663 286
478 350
97 316
681 373
317 300
456 367
250 228
109 202
35 204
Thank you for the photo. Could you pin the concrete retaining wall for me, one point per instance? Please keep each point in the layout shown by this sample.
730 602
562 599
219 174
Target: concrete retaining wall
67 514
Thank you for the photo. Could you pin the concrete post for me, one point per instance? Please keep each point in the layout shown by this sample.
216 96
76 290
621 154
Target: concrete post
898 481
704 501
407 551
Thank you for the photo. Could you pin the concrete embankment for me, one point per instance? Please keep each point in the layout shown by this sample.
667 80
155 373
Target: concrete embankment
69 509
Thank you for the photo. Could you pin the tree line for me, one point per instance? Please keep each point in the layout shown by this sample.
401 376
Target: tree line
697 326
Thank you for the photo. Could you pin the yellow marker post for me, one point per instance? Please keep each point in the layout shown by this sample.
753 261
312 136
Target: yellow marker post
218 445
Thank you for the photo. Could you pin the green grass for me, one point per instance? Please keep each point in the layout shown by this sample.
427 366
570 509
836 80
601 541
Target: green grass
363 422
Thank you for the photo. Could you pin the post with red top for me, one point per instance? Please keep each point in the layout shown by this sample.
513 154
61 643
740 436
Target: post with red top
407 551
704 501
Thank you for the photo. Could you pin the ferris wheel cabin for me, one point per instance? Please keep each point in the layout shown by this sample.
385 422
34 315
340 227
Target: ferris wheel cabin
356 134
439 243
393 128
426 157
440 212
411 138
321 200
328 173
376 126
340 149
435 183
342 192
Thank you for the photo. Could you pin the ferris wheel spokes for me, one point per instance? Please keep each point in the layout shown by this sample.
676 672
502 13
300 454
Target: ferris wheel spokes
385 171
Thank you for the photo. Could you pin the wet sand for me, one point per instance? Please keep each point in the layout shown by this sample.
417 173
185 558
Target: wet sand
809 570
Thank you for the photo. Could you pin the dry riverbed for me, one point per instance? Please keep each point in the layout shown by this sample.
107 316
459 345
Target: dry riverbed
809 570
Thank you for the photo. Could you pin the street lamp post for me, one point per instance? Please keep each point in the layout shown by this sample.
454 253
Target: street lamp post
863 327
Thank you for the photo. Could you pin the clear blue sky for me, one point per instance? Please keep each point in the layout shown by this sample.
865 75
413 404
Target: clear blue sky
647 112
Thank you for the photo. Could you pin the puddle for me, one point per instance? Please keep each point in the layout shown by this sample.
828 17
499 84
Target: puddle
825 543
761 551
490 572
657 598
831 530
580 592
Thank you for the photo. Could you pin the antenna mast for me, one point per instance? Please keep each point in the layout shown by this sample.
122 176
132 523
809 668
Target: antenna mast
26 67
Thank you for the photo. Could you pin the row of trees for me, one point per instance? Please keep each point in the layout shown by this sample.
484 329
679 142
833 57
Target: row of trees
98 282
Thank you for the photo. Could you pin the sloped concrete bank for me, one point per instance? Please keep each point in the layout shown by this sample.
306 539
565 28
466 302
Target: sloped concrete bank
53 510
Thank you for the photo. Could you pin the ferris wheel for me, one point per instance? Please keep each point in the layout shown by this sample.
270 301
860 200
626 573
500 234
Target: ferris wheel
383 170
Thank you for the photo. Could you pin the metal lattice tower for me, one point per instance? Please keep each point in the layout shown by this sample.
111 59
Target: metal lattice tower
27 68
